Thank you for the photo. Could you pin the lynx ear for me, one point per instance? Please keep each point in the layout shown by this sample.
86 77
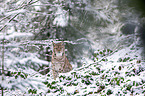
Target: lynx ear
62 43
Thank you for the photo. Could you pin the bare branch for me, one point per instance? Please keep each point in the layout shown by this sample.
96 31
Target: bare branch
24 5
2 63
9 21
5 18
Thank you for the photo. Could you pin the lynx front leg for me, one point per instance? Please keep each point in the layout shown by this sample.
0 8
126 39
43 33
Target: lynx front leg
55 74
68 68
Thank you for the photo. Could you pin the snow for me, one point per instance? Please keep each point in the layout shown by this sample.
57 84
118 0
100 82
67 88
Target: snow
61 17
17 35
37 8
86 79
15 12
33 59
82 88
93 78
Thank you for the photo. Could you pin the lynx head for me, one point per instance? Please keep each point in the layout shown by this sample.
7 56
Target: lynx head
58 49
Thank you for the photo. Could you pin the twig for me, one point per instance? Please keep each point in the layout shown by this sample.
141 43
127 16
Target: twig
3 64
29 3
9 21
4 18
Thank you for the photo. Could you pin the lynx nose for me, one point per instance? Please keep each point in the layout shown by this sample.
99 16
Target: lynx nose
59 50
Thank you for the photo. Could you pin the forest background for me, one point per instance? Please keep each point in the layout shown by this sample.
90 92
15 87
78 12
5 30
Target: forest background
104 42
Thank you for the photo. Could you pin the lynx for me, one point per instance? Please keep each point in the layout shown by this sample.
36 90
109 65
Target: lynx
60 63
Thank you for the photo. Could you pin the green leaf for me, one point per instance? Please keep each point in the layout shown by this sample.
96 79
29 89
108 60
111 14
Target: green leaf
19 73
22 76
100 52
109 92
133 83
53 82
119 68
120 60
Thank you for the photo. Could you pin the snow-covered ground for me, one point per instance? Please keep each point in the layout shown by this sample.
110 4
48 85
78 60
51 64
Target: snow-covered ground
115 73
122 74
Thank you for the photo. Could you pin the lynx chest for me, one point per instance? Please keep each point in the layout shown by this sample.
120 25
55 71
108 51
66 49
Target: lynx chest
58 65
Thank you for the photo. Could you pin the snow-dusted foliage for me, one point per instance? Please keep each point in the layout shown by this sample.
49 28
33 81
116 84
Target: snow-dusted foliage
21 68
102 42
121 73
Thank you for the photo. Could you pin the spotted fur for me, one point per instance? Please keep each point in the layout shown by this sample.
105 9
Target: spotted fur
60 63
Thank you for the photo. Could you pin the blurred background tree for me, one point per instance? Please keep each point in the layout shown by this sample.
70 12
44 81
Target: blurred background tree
29 26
